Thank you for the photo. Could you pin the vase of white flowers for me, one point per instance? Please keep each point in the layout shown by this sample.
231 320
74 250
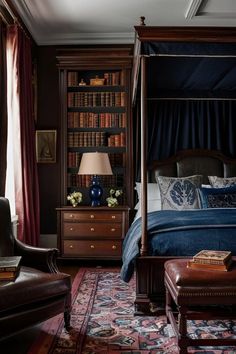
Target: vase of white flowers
112 200
75 198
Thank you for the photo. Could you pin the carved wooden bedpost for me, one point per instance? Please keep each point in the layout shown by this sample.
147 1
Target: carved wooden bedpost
142 19
144 129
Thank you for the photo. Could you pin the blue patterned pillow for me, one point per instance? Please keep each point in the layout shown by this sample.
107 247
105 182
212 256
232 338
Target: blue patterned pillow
222 182
179 193
217 197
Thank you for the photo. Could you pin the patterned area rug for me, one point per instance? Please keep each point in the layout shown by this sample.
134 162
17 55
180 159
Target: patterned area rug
103 322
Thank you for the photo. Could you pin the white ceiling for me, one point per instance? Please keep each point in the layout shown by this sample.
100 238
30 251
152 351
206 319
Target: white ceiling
112 22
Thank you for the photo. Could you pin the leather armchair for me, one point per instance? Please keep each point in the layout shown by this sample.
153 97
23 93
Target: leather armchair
39 292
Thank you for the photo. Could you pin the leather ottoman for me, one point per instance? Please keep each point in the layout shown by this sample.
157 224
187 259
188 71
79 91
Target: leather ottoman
193 294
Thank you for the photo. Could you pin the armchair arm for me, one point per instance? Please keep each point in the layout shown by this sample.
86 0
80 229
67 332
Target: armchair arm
40 258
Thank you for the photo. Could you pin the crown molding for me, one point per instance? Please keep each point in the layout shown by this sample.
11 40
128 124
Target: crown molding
86 38
193 9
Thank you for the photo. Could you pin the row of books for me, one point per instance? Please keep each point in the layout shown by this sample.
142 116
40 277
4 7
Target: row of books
84 139
9 268
74 158
96 99
79 139
84 181
211 259
96 120
110 78
116 140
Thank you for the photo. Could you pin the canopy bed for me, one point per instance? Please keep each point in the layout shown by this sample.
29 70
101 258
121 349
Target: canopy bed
185 80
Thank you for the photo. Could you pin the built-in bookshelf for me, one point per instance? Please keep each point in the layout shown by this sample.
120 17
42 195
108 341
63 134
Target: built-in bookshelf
95 116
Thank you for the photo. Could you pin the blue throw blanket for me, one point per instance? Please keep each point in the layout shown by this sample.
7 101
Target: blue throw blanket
180 233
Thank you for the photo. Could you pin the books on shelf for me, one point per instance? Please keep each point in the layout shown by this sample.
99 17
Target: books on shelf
9 267
96 117
96 99
211 259
96 120
109 78
95 138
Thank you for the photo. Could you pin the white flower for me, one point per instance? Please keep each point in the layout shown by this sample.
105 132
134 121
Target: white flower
112 191
118 192
112 202
75 198
114 194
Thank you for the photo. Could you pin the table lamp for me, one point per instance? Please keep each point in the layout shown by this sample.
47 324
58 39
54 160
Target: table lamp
95 164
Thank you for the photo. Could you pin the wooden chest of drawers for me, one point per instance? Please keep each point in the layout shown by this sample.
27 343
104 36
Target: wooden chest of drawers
92 233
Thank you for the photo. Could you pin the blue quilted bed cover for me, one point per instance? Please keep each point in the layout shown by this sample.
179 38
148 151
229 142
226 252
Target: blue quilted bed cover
180 233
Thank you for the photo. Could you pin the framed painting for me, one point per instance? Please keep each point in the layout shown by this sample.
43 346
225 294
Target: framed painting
46 142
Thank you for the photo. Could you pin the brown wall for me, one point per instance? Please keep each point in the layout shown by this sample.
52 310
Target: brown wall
48 118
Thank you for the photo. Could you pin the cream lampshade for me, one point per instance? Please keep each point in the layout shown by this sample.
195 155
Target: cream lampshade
95 164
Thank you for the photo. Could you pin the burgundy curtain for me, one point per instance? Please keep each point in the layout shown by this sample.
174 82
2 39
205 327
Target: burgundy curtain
3 108
26 177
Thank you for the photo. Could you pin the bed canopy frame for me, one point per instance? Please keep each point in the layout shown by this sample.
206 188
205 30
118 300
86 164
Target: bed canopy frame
145 35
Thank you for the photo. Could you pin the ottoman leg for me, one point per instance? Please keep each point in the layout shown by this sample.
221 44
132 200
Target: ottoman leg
182 326
168 304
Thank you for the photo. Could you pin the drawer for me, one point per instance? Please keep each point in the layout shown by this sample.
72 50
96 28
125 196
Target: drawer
93 229
115 216
92 248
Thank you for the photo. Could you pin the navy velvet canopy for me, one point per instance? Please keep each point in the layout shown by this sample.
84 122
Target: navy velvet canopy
191 97
191 69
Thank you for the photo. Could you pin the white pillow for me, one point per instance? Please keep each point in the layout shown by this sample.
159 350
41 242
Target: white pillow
152 205
153 191
153 198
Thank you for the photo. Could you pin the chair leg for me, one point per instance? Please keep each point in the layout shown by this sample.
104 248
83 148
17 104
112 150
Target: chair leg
67 312
67 320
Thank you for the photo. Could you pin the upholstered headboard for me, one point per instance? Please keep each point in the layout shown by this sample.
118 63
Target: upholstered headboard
192 162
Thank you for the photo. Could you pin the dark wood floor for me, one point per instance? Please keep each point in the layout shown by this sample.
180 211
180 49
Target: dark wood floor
20 343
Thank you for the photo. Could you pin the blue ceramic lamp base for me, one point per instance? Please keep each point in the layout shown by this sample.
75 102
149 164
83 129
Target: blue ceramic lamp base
95 192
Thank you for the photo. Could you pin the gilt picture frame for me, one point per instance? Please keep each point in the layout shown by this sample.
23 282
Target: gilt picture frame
46 143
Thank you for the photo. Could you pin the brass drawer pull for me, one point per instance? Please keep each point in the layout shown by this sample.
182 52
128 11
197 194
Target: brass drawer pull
113 216
113 229
71 228
92 246
71 215
114 247
92 229
92 216
71 246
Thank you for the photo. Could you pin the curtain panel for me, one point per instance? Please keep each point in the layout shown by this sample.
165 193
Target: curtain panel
3 108
25 165
178 125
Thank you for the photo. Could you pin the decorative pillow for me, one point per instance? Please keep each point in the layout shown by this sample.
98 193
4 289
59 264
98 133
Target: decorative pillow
221 182
179 193
217 197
